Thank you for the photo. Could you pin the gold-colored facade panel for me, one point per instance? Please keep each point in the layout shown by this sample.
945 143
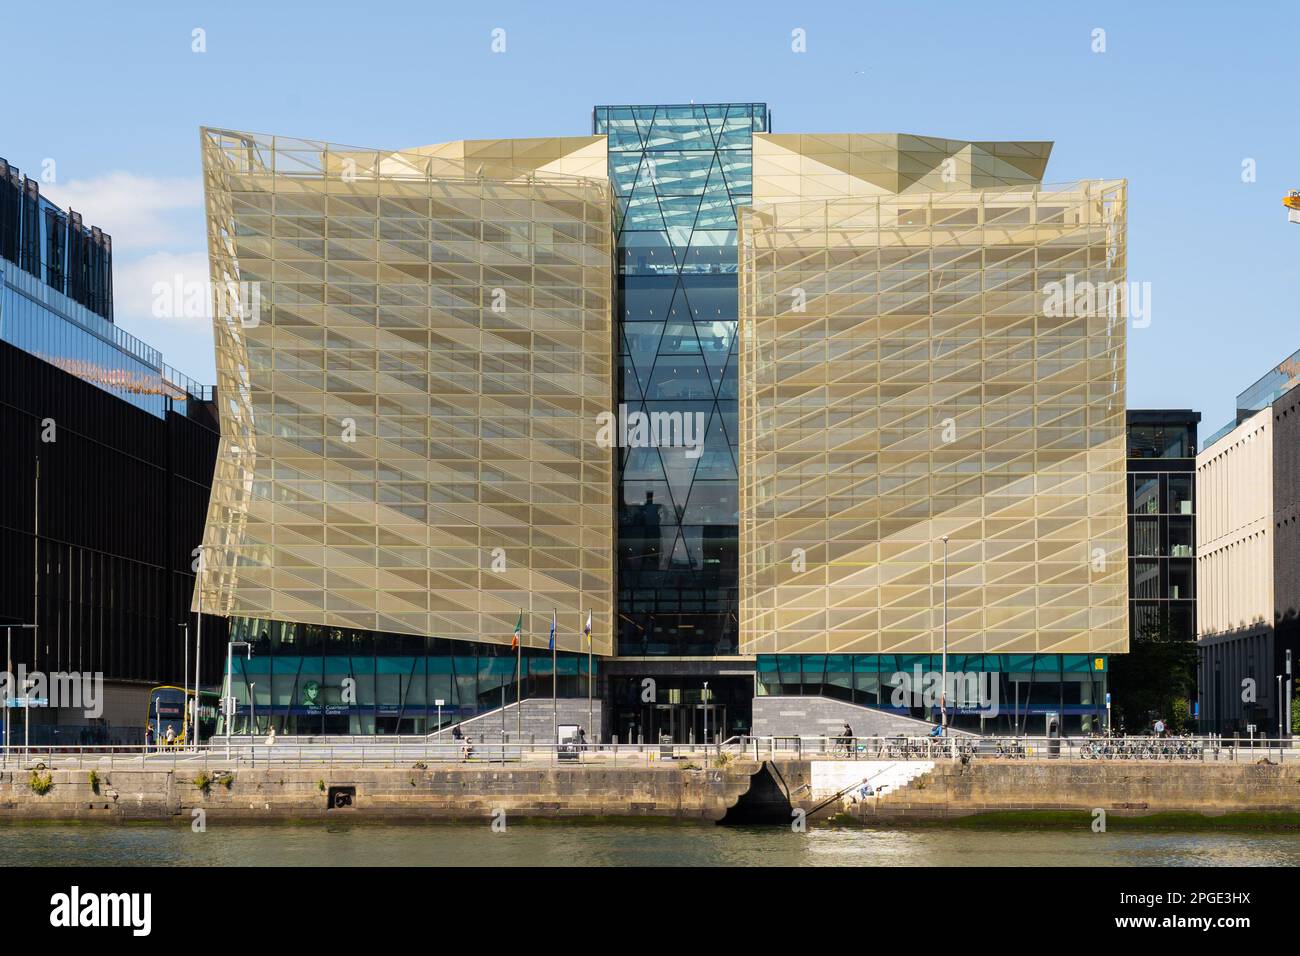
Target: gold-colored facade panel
510 158
811 166
409 382
945 362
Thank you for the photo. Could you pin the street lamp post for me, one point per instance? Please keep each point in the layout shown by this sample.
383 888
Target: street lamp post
198 655
198 641
229 701
1281 710
252 707
706 713
9 671
943 677
1286 697
185 666
29 684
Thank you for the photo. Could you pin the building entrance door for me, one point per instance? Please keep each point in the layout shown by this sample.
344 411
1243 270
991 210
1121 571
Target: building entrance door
676 723
709 721
682 710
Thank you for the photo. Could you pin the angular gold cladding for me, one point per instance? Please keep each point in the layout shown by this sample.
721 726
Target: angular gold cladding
902 379
507 158
834 165
409 387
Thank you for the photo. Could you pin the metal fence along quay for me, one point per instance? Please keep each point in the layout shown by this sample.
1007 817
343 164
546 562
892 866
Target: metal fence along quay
405 752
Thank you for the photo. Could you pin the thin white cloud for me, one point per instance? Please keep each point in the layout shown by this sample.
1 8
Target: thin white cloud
165 287
141 213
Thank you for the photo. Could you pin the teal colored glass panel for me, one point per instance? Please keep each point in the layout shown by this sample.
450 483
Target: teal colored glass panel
642 464
679 194
679 339
499 667
647 253
679 377
642 345
647 298
716 460
261 665
711 502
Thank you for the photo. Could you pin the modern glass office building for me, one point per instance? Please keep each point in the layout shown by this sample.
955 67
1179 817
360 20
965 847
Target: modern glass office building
932 412
1162 523
722 389
56 299
409 459
107 459
1267 389
679 173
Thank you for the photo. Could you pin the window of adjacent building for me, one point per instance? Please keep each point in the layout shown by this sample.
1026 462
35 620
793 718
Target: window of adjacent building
1180 537
1146 536
1146 618
1159 441
1180 494
1146 494
1181 620
1180 580
1141 441
1175 442
1146 579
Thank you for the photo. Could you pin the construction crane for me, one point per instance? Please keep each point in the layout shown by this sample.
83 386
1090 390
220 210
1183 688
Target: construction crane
1292 202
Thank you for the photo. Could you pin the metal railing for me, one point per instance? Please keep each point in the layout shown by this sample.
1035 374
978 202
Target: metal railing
904 747
375 752
412 751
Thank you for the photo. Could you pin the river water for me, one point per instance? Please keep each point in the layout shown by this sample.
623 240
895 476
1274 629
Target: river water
635 845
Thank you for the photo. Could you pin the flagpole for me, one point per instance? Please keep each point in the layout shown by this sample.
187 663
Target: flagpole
555 705
519 701
590 729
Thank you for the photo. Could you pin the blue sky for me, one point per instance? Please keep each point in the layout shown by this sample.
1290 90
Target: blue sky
1183 95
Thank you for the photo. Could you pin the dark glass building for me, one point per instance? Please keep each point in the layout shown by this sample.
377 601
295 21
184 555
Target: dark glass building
477 486
1162 523
125 448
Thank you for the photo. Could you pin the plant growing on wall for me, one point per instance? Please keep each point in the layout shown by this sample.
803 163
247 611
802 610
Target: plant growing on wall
94 782
41 783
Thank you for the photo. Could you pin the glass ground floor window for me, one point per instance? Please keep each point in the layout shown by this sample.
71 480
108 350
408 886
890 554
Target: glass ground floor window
990 693
308 679
679 709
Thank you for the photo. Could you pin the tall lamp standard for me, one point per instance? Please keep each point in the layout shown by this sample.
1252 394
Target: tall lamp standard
229 702
9 671
706 713
198 641
185 666
943 678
